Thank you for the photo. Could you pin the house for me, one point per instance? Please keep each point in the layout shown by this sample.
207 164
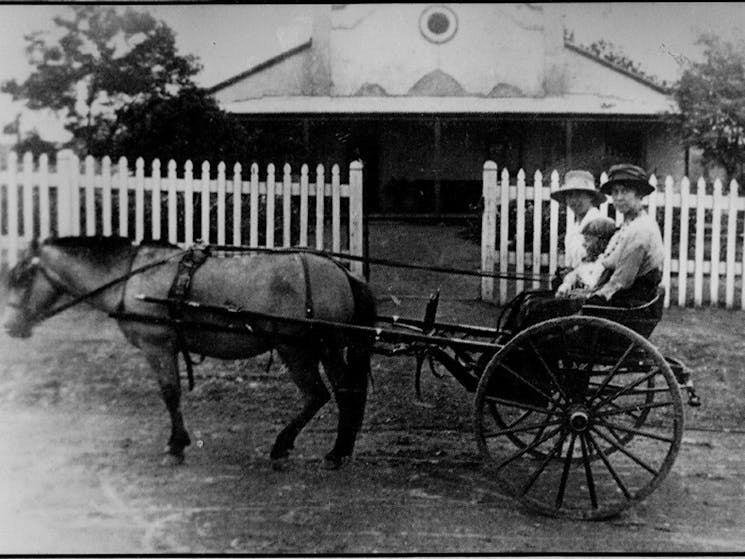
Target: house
425 93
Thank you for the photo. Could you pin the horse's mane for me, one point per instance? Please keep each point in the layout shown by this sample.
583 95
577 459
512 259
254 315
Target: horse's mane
98 249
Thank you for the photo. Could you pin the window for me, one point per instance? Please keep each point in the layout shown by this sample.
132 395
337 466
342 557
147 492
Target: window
438 24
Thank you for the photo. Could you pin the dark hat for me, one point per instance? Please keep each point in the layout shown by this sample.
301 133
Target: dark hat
628 175
578 181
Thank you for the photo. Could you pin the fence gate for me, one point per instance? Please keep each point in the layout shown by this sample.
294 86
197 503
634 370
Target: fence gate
39 199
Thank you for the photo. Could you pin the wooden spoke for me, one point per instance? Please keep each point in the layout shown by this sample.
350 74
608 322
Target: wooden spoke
628 387
588 472
524 416
635 407
525 381
613 371
565 472
514 404
608 465
534 476
522 429
528 448
628 453
548 370
613 426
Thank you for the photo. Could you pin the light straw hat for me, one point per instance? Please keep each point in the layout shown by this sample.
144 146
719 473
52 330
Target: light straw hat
578 181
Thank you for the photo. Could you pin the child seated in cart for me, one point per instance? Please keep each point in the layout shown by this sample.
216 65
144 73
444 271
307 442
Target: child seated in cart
584 278
533 306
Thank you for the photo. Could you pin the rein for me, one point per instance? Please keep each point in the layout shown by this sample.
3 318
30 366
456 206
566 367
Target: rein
383 262
55 281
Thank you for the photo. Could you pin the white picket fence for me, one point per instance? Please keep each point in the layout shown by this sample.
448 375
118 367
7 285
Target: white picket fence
38 201
712 274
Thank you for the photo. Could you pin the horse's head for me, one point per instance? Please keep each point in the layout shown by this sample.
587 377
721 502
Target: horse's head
30 294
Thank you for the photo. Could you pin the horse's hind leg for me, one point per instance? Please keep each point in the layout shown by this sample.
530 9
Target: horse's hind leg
302 365
165 364
349 380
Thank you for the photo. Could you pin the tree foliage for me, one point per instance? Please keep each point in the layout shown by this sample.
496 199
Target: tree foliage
116 78
711 96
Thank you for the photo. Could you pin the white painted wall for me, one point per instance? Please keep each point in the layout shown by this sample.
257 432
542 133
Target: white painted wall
493 44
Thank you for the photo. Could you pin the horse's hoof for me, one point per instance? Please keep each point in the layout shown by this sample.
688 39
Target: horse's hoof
335 462
171 459
280 464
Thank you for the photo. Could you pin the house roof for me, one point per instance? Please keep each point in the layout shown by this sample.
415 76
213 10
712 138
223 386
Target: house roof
261 66
563 105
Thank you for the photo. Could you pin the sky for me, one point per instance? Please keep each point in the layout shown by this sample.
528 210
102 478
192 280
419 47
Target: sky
231 38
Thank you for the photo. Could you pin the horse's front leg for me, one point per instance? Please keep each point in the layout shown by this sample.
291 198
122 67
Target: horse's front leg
163 360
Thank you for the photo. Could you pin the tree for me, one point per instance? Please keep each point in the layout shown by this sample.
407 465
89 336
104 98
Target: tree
105 59
188 125
34 143
711 96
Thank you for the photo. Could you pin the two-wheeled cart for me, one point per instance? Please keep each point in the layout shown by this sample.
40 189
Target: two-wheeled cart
576 413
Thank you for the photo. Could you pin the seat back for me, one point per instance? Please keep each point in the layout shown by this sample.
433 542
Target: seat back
642 319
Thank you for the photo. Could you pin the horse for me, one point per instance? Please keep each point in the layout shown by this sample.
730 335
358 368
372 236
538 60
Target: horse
109 273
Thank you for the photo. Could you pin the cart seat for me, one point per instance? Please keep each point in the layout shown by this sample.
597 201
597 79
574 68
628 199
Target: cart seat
642 319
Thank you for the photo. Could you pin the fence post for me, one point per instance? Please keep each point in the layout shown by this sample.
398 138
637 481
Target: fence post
488 227
356 214
65 191
12 194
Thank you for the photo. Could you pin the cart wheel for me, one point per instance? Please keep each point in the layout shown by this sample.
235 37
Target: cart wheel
594 410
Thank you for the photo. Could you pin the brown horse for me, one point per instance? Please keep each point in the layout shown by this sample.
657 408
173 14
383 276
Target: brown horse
288 284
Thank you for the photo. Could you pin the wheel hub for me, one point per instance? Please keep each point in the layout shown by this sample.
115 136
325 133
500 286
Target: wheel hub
579 419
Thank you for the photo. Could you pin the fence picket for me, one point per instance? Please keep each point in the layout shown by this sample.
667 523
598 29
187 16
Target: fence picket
698 274
28 196
270 203
75 193
253 238
172 203
320 198
12 196
123 185
553 238
520 224
237 204
504 231
667 240
488 227
716 229
335 209
189 202
221 189
286 206
155 198
140 199
683 240
90 196
537 229
45 228
356 215
304 206
105 195
204 202
729 290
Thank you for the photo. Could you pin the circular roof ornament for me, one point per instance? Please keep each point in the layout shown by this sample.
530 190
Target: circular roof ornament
438 24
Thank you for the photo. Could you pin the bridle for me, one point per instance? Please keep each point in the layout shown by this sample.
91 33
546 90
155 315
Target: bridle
23 278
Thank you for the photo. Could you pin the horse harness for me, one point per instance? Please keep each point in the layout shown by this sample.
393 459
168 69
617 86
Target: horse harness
191 260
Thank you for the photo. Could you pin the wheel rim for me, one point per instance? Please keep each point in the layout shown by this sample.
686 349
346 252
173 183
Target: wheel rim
578 417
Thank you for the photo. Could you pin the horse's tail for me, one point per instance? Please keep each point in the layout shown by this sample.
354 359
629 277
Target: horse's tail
359 352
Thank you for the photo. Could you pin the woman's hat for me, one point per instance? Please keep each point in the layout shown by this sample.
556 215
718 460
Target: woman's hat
578 181
602 227
628 175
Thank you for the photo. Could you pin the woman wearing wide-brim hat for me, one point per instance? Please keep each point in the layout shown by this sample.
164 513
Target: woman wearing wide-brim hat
635 255
579 194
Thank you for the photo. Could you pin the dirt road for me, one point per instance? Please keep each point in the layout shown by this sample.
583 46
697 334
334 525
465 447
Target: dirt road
82 426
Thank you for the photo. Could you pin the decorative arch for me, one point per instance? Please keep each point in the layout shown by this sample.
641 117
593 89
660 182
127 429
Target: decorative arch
437 84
